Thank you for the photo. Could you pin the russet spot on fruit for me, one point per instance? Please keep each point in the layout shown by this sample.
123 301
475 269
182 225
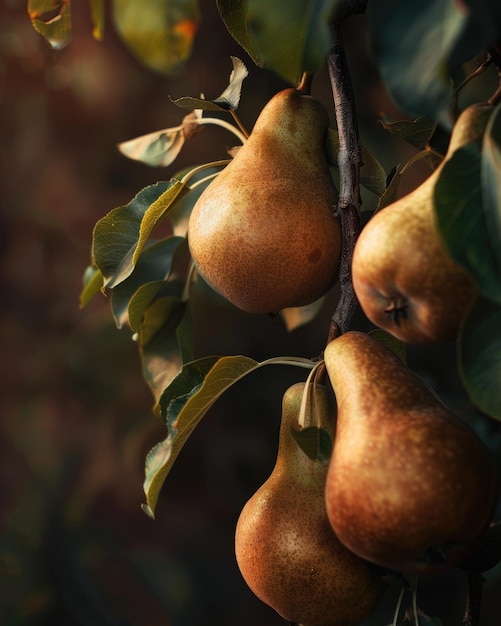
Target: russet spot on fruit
264 234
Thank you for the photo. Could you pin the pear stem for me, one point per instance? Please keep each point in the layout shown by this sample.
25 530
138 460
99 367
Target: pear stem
473 602
349 162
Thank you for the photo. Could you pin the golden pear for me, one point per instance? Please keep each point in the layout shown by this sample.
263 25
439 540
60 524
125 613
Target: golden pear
403 276
264 234
285 547
410 486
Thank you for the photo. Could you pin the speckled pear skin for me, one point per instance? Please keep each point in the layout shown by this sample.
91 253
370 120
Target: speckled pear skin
264 234
284 545
400 260
410 486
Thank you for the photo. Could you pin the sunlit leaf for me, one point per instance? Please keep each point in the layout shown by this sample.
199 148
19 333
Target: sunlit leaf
154 264
479 348
228 100
315 442
155 212
193 393
119 236
52 20
491 181
166 342
286 36
97 13
159 33
92 285
161 148
459 210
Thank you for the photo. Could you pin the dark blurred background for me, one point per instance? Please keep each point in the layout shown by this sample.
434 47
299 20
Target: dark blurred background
76 420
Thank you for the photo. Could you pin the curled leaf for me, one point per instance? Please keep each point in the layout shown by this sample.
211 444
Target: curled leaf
161 148
52 20
228 100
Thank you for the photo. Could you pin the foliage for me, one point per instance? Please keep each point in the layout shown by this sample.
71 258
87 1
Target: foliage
148 279
144 276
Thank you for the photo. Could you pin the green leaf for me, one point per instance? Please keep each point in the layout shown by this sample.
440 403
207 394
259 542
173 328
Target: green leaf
491 181
145 295
156 211
315 442
97 14
415 67
155 264
459 209
119 236
160 34
92 285
416 132
165 339
390 194
183 404
286 36
228 100
52 20
479 350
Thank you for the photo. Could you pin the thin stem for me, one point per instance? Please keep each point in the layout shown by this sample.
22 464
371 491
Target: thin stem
245 133
474 599
201 168
349 162
397 608
224 124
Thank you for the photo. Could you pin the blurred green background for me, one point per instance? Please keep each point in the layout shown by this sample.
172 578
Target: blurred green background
76 421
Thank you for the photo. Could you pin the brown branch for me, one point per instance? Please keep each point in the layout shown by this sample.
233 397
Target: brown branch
349 162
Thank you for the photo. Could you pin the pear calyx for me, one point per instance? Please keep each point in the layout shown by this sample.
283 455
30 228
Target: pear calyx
400 256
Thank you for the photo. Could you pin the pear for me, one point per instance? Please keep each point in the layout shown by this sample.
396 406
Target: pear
403 276
285 548
264 234
410 486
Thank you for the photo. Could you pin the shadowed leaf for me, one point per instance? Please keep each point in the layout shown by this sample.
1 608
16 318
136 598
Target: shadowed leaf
160 34
479 346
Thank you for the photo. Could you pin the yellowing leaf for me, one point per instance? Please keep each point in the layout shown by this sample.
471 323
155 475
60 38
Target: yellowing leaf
160 148
93 282
97 13
52 20
159 33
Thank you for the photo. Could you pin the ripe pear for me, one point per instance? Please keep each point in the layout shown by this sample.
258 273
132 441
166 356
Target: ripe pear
264 234
410 486
285 548
404 278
